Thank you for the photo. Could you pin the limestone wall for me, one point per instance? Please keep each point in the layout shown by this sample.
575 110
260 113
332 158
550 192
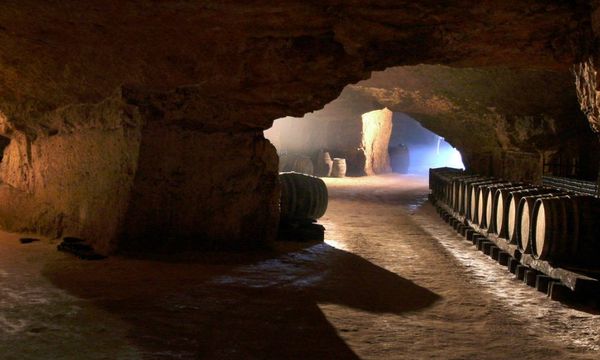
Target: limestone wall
75 178
204 79
196 190
376 132
115 175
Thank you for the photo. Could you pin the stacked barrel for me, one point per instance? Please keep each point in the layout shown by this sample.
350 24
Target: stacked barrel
547 222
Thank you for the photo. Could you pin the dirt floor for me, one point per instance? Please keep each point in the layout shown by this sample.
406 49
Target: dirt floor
391 281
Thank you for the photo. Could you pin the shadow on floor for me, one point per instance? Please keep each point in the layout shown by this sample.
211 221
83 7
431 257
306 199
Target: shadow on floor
267 309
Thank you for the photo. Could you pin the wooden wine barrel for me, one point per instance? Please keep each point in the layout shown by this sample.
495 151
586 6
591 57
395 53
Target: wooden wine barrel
303 197
514 215
523 225
442 182
323 164
456 190
439 182
465 193
338 168
473 200
482 202
399 159
573 185
499 210
565 230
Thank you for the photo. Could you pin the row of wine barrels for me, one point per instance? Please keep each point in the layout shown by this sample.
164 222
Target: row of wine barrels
565 230
551 223
399 159
472 200
491 206
484 193
464 192
338 168
440 182
523 225
519 212
574 185
499 211
296 163
303 197
456 191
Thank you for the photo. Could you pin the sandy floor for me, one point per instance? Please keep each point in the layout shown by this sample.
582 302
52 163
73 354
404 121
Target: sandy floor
392 281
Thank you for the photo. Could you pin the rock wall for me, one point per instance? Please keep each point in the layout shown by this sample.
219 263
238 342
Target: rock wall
72 175
203 79
122 177
196 190
377 129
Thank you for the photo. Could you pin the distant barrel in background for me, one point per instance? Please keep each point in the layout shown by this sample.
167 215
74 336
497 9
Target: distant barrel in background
399 159
338 168
573 185
296 163
303 197
323 164
303 165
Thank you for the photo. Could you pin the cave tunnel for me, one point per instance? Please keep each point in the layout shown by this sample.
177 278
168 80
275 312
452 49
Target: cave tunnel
299 180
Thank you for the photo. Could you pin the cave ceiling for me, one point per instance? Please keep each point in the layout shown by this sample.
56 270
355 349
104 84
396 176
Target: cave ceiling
266 60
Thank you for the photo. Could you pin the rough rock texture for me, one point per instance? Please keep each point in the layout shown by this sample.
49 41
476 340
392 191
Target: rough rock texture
294 55
118 175
586 70
75 179
377 129
207 77
208 191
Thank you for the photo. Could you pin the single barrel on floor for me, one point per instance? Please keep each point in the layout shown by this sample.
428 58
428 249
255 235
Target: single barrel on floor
338 168
303 197
323 164
399 159
565 230
296 163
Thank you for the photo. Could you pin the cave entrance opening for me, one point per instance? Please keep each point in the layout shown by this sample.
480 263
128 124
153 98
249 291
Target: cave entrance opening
413 149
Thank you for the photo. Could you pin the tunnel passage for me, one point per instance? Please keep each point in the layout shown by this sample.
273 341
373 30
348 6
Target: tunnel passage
507 123
419 149
211 77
